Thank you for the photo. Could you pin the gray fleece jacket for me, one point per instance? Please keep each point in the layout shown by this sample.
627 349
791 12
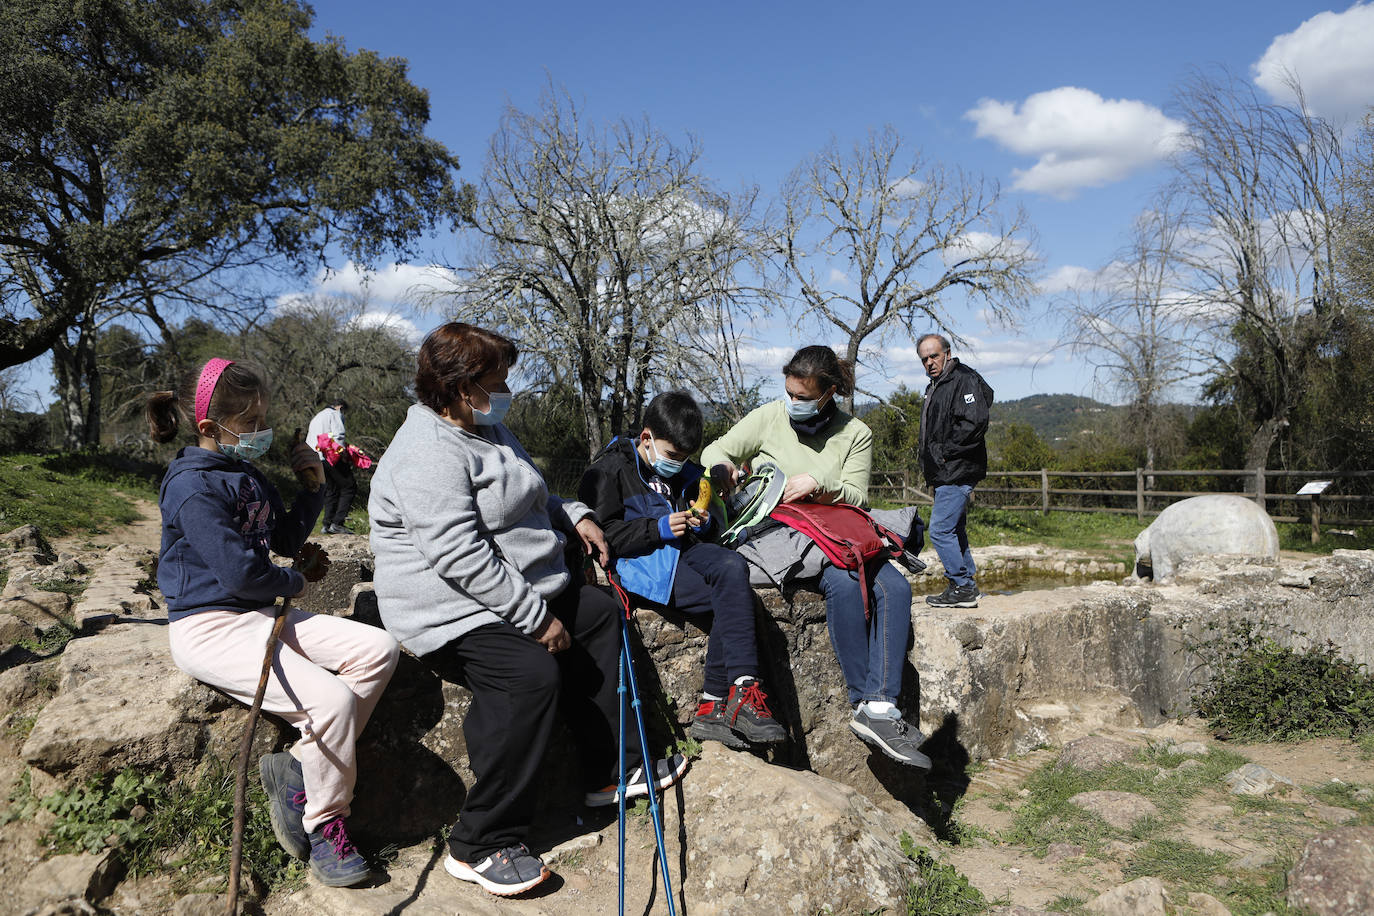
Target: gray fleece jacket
464 533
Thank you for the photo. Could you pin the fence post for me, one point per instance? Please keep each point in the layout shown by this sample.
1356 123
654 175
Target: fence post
1259 487
1140 494
1044 492
1316 517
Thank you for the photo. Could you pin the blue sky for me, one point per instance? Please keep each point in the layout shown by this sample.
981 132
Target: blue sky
1066 104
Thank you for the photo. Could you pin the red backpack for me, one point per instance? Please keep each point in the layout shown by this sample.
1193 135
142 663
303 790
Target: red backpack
846 534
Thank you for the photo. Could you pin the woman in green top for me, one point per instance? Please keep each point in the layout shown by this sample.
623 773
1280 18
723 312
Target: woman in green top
827 456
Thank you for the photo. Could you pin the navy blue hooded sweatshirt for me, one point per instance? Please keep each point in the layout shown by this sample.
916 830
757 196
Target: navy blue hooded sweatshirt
219 518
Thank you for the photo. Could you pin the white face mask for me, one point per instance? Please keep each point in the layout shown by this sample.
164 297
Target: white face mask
250 447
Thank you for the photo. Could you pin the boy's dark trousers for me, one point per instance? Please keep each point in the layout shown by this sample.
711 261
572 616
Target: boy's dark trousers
516 685
711 578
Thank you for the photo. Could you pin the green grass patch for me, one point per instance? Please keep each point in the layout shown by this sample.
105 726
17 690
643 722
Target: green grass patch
177 830
1096 532
63 494
1265 895
52 640
1260 689
939 889
73 587
1298 536
1177 861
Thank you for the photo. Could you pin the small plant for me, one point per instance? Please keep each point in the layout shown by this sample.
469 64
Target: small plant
1174 860
687 746
20 727
73 587
102 812
52 640
1258 688
939 889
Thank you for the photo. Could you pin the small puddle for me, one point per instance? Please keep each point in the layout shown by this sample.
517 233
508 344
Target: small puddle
1016 582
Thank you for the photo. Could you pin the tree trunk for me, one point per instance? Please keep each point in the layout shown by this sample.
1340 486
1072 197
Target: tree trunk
78 388
1261 442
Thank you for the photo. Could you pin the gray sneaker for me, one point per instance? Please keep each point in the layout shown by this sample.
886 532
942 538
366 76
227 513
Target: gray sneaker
285 787
892 735
506 872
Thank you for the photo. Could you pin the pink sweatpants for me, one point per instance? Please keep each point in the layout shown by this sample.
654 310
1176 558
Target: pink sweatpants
224 649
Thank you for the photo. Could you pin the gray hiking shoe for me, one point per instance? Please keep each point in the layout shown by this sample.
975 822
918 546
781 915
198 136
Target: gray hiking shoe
285 785
506 872
747 713
710 724
891 735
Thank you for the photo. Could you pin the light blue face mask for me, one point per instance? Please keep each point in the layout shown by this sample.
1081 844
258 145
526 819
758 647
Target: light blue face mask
498 406
664 467
802 410
250 447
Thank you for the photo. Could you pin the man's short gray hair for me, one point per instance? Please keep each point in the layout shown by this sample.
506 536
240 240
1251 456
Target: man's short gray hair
944 341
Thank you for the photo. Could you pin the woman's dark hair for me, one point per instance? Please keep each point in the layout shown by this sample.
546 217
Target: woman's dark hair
821 364
455 355
675 416
238 390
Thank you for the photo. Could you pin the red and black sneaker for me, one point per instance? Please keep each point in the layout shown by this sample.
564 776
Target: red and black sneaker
747 714
710 725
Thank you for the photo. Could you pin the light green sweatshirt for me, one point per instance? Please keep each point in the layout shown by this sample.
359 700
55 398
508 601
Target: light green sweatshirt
840 457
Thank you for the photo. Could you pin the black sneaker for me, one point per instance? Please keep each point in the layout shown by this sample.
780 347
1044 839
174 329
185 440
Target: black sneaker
506 872
669 771
892 735
334 860
285 785
709 725
746 711
955 596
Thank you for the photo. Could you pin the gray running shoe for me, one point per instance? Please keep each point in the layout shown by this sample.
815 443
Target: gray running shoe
285 786
709 724
506 872
891 735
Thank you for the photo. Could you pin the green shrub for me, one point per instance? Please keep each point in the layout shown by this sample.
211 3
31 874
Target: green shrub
1258 688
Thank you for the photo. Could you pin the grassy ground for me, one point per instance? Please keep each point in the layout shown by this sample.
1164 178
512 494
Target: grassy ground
67 493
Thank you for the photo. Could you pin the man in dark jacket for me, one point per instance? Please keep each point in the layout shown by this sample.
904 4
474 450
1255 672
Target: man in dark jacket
954 457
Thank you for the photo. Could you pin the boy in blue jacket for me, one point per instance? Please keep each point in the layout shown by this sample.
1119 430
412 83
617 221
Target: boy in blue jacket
640 488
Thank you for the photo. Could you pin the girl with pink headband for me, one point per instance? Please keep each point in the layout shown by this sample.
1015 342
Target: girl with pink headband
220 519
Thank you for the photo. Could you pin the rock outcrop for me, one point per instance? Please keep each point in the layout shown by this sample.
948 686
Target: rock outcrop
1206 526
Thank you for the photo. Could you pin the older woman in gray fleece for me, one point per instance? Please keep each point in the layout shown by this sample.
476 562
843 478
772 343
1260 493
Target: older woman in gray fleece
471 577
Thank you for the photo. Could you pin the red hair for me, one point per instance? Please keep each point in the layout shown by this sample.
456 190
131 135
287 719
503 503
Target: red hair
453 356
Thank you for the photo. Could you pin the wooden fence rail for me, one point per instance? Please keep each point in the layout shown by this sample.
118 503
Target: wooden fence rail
1140 492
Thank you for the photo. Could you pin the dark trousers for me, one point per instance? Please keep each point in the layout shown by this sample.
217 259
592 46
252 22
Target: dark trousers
714 580
339 490
516 685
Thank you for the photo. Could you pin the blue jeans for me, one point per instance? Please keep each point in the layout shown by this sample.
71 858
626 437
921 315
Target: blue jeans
870 651
949 533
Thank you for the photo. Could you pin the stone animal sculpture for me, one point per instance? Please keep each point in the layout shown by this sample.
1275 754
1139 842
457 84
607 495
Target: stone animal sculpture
1204 526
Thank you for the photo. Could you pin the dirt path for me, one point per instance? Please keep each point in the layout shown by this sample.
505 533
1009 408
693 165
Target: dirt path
145 531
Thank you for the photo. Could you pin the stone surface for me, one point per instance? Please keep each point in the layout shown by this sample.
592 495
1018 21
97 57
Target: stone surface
1253 779
121 702
13 630
1330 813
120 580
1189 748
1141 897
25 538
1119 809
1335 875
350 562
1095 752
1205 526
42 610
1206 905
1059 852
76 879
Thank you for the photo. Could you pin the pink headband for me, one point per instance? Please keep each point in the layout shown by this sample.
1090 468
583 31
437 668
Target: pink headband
209 376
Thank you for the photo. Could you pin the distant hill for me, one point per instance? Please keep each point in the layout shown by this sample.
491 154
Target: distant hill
1054 417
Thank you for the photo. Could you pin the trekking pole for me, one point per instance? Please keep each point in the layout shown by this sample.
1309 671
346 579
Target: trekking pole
651 776
620 791
245 751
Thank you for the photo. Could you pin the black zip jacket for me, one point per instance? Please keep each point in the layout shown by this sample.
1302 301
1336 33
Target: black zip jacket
615 488
954 427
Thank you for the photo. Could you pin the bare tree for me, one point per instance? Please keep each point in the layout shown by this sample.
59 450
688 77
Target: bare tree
1261 184
1134 324
905 235
611 259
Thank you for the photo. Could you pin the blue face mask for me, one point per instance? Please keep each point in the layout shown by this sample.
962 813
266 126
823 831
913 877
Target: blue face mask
802 410
498 406
250 447
664 467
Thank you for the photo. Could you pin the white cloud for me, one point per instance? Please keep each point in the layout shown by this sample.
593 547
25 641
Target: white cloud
399 324
907 187
393 284
1079 138
977 244
1067 277
1332 55
839 278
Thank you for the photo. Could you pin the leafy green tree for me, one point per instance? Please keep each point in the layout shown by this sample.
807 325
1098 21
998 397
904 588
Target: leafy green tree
896 426
148 143
1017 447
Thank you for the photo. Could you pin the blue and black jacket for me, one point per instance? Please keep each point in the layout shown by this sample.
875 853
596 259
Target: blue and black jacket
220 519
624 492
